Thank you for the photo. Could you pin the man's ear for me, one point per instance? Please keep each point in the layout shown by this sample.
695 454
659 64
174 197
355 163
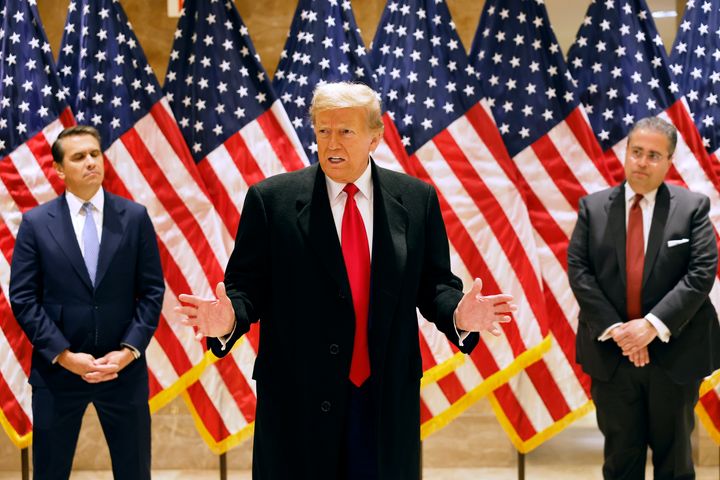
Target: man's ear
59 169
376 141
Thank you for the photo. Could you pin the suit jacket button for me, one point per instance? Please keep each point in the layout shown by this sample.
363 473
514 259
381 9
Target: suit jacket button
334 349
341 295
325 406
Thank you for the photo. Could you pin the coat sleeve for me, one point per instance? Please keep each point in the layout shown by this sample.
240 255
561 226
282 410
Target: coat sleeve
150 287
681 303
440 291
596 310
247 275
26 286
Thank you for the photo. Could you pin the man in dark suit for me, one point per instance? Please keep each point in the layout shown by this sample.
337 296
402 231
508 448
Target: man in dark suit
86 286
334 259
641 262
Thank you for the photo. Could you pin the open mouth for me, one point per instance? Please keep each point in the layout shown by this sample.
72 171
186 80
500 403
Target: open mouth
336 160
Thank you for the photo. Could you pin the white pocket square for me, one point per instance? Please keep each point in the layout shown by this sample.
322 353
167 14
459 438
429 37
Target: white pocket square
675 243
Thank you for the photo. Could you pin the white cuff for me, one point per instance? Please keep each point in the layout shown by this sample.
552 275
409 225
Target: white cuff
133 350
226 338
662 330
606 334
462 334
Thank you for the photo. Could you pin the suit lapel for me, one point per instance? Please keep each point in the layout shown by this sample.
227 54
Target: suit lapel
316 222
657 227
616 227
113 230
389 255
61 230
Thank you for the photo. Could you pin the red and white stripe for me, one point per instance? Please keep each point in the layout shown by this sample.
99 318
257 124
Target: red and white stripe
262 148
491 238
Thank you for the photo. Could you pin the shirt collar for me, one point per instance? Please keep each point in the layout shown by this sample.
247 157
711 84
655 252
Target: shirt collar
630 195
75 203
364 184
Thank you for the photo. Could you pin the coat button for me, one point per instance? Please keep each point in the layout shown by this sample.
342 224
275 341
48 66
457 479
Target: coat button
341 295
334 349
325 406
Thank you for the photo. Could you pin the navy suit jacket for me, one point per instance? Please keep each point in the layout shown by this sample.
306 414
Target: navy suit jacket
55 302
679 271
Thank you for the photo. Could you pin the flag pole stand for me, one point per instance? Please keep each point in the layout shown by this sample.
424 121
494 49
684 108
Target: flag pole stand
24 464
521 466
420 466
223 466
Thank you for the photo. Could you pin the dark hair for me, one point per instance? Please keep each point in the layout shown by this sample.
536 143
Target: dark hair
657 124
74 131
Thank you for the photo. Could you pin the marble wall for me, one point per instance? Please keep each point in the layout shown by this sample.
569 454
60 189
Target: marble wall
475 439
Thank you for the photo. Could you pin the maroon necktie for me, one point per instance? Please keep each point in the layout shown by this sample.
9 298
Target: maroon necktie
635 259
357 263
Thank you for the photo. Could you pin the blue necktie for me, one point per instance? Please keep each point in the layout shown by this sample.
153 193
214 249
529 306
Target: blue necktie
91 244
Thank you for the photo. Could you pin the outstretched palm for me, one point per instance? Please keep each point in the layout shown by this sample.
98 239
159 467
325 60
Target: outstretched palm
477 313
212 317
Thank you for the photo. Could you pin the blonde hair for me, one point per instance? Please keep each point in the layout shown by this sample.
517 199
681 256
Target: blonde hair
331 96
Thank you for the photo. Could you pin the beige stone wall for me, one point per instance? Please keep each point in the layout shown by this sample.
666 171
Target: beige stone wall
176 443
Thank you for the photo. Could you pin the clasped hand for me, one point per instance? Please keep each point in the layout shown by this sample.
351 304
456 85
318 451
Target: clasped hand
96 370
633 337
477 313
211 317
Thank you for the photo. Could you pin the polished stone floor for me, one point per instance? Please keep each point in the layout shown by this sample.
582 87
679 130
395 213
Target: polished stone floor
576 453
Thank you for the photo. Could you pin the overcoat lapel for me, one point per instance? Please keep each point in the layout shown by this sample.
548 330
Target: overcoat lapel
389 256
113 231
657 227
61 230
316 222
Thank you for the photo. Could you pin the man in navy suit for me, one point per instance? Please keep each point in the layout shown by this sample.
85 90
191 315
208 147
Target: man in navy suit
641 262
86 286
333 260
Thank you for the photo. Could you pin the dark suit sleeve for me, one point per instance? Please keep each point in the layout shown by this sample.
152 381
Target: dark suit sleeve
26 283
150 287
681 303
247 272
440 291
597 311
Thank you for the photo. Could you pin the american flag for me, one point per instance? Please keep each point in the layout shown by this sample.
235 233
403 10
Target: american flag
694 63
522 71
111 86
323 45
621 69
439 130
32 113
239 134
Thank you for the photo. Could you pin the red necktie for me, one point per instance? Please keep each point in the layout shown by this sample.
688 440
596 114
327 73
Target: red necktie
635 259
357 263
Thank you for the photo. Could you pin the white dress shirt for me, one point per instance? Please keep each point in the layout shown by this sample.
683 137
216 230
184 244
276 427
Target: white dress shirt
363 200
647 205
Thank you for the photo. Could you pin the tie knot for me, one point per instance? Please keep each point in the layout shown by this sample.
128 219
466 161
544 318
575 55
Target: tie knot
87 208
351 189
636 200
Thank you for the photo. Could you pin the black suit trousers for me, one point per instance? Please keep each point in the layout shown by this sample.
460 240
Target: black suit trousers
640 408
124 416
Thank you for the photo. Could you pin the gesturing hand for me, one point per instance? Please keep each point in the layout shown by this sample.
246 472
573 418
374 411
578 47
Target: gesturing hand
476 312
213 317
